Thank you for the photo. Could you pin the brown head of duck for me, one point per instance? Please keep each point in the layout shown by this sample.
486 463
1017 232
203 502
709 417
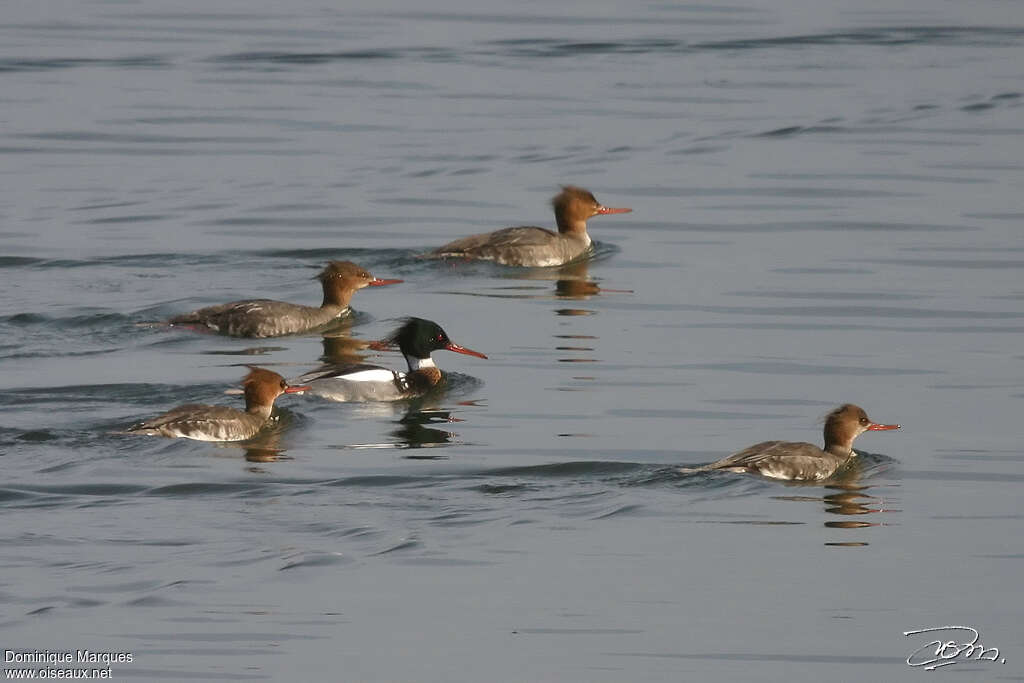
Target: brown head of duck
846 423
574 206
342 279
261 387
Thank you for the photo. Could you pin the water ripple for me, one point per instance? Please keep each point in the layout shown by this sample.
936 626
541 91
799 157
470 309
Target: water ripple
21 64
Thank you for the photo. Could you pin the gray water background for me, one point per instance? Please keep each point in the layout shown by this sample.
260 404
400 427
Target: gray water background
827 208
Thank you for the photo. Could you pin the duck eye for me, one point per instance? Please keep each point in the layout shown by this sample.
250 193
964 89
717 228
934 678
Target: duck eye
863 420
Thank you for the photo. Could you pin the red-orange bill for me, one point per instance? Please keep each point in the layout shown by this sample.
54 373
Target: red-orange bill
295 390
462 349
881 428
611 209
377 282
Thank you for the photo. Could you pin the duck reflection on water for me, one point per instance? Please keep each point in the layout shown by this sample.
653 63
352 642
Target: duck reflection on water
414 430
853 500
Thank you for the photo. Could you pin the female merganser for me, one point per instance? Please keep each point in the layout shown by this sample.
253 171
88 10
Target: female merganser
532 246
416 339
268 318
804 461
221 423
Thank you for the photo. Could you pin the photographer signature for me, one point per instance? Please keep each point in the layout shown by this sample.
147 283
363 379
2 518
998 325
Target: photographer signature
938 653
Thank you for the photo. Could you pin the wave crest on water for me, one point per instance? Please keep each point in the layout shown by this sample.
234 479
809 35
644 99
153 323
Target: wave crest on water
551 48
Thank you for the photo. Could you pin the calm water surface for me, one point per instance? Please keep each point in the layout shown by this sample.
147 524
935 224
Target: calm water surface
827 209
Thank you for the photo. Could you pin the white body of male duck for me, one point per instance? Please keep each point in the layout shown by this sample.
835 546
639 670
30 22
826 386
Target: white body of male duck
416 339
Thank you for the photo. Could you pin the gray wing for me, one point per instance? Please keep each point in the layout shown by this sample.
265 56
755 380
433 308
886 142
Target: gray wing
779 460
252 318
475 245
203 423
235 307
218 318
190 414
761 452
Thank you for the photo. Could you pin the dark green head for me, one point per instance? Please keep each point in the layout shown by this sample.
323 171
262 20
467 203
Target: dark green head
418 338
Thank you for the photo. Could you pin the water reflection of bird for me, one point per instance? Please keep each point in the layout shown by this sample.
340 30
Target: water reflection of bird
850 501
413 432
340 348
574 282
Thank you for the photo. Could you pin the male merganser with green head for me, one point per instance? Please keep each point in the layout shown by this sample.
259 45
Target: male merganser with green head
417 339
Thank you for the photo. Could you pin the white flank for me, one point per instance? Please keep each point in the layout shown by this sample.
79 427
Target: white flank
201 436
375 375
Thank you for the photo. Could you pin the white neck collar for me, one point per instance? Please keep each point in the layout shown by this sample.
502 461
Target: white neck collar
419 363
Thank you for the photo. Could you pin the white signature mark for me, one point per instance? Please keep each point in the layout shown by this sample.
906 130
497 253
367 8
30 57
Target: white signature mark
938 653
